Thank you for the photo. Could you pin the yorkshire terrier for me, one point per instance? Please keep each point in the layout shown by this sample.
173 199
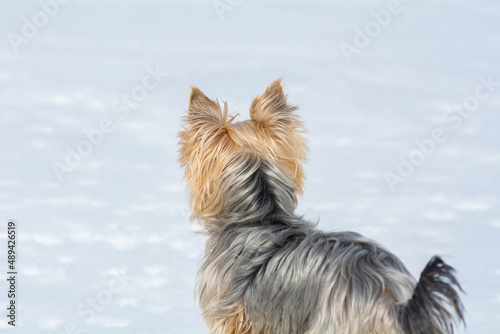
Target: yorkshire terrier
267 270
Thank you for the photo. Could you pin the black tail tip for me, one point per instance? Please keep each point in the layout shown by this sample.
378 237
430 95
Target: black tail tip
435 307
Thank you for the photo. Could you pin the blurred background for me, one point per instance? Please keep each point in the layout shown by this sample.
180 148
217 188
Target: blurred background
400 99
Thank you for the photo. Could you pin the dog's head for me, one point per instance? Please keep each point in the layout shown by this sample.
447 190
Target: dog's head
218 154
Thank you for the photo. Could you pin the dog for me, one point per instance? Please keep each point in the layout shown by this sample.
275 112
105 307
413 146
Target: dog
267 270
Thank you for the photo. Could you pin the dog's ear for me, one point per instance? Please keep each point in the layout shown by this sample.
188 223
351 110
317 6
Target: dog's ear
282 128
272 108
202 141
204 112
203 126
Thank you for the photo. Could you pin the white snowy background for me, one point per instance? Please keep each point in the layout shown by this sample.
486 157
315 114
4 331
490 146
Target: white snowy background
109 248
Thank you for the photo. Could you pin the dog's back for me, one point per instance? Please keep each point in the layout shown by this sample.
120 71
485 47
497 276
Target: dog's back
284 276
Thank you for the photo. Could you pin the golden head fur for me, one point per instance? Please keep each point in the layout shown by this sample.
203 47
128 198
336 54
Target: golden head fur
210 138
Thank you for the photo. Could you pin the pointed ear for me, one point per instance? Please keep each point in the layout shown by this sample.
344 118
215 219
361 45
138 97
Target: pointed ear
202 111
204 123
282 129
271 108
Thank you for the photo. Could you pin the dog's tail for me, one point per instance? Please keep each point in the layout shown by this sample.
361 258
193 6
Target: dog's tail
435 306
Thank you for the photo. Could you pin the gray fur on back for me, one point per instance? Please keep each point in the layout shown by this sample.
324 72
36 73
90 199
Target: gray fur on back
289 276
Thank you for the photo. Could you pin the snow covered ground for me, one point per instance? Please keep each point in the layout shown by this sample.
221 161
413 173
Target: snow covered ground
104 245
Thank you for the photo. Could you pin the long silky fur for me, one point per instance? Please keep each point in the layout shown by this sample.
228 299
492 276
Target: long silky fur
268 271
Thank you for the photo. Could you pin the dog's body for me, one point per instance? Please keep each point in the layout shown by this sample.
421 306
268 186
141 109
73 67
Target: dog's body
269 271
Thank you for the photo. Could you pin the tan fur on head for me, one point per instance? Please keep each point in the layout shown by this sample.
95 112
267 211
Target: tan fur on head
209 139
